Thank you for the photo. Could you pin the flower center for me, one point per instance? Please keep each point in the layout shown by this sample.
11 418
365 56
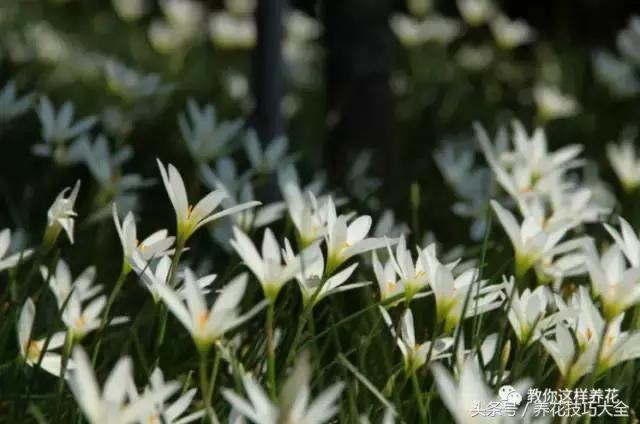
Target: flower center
33 350
202 319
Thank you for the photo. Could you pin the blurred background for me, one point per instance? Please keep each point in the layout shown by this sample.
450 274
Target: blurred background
378 96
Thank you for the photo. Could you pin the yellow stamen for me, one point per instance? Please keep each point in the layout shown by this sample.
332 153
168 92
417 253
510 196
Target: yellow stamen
202 319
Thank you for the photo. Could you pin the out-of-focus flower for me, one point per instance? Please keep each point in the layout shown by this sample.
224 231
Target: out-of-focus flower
553 104
207 325
132 85
240 7
166 412
164 38
206 138
294 404
415 354
10 104
227 31
301 27
13 259
186 17
407 29
49 45
61 216
311 278
190 218
625 163
510 34
618 75
57 129
628 40
111 404
272 157
32 350
131 10
440 29
476 12
616 285
419 8
474 58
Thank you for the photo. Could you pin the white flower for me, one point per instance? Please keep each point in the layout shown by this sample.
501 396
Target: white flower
57 128
190 218
268 268
311 276
344 241
9 261
415 354
206 325
529 168
476 12
460 397
412 277
164 37
294 404
625 163
617 286
61 215
156 245
10 104
227 31
206 138
531 240
171 413
387 279
306 212
111 404
62 283
628 241
131 10
153 277
571 362
510 34
450 293
528 313
31 350
553 104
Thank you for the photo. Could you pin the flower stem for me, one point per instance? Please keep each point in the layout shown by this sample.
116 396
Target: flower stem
418 395
204 384
64 360
163 311
271 357
105 316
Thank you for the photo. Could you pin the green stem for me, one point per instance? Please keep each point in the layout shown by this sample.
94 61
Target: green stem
163 311
66 352
418 395
271 357
105 316
204 384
